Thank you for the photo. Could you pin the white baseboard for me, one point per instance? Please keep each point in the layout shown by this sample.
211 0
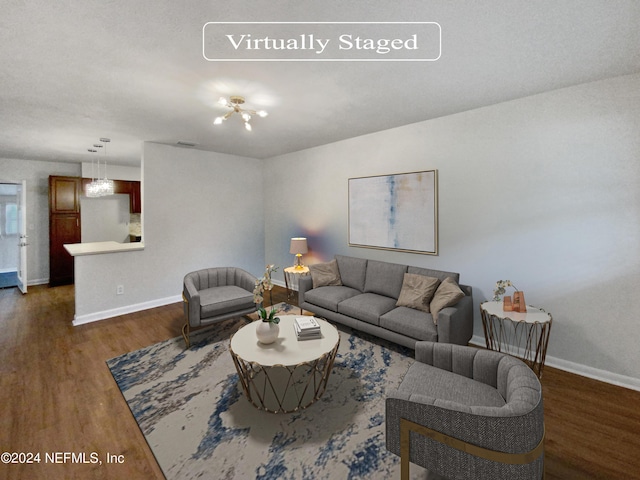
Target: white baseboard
94 317
582 370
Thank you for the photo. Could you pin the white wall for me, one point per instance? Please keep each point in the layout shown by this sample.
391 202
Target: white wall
114 172
544 191
105 219
36 173
200 210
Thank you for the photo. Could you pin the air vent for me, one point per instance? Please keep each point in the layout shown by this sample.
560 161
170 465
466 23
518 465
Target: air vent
186 144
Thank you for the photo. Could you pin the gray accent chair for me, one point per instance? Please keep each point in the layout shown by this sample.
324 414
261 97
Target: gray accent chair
466 413
215 294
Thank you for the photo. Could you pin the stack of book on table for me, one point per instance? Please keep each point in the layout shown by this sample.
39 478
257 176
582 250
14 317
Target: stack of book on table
306 328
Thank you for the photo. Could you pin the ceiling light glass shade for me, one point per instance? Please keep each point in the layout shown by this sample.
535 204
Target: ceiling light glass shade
246 117
218 120
93 190
100 188
247 125
262 113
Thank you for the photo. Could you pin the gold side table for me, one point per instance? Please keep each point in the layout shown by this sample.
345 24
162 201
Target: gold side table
289 374
524 335
292 277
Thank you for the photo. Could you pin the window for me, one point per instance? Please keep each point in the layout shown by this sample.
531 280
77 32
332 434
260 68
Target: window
10 219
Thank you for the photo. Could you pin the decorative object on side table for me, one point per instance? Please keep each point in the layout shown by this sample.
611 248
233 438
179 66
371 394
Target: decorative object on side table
297 247
508 305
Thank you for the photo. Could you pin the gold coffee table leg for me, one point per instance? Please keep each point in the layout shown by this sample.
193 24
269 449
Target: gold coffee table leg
281 388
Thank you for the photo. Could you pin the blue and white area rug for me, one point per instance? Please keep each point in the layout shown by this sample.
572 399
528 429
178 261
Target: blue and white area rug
199 424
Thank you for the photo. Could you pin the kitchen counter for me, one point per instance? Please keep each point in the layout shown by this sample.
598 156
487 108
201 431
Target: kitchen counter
96 248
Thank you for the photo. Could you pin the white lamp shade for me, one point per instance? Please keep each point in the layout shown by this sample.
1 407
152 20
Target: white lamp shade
298 245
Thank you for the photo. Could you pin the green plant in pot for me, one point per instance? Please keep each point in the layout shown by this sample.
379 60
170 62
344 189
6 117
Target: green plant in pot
268 317
267 329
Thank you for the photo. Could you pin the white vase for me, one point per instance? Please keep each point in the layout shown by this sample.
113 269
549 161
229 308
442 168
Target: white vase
267 332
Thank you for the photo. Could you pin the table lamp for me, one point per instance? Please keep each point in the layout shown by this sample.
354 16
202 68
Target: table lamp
297 248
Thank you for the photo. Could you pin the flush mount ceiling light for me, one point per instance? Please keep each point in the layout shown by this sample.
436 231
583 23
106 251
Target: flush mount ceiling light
234 103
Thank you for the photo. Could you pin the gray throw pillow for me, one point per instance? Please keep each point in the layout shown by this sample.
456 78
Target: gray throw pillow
324 274
447 295
417 291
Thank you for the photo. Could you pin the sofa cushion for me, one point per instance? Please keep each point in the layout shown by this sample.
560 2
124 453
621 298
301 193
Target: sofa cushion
423 379
434 273
352 271
384 278
330 296
219 300
417 291
410 322
324 274
367 307
447 295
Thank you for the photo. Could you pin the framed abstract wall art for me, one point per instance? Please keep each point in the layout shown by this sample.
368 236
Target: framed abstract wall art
395 212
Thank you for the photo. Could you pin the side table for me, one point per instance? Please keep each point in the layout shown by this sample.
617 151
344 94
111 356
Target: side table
524 335
291 278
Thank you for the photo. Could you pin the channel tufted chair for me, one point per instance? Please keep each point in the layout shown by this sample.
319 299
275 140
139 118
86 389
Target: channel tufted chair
466 413
215 294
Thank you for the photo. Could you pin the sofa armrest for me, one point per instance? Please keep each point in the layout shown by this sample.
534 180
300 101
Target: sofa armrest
492 431
191 298
304 285
455 324
245 280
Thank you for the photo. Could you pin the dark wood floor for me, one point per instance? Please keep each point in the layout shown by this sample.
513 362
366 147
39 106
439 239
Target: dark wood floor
57 395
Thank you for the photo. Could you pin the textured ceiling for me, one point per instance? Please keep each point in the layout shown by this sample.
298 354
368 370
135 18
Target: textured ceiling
134 71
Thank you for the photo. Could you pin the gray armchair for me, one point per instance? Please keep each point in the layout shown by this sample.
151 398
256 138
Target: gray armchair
465 413
215 294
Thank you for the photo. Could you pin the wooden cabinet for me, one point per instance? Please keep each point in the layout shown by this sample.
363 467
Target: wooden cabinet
136 198
131 188
63 229
64 226
64 194
64 220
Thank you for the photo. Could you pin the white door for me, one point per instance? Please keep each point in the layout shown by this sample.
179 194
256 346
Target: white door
22 235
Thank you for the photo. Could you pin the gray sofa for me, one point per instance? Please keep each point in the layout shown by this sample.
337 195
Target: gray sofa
366 300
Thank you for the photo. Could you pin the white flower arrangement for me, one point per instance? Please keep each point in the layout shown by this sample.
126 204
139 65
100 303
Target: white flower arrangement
500 289
263 284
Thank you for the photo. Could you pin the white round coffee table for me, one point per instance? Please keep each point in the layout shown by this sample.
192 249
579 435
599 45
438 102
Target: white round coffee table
289 374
